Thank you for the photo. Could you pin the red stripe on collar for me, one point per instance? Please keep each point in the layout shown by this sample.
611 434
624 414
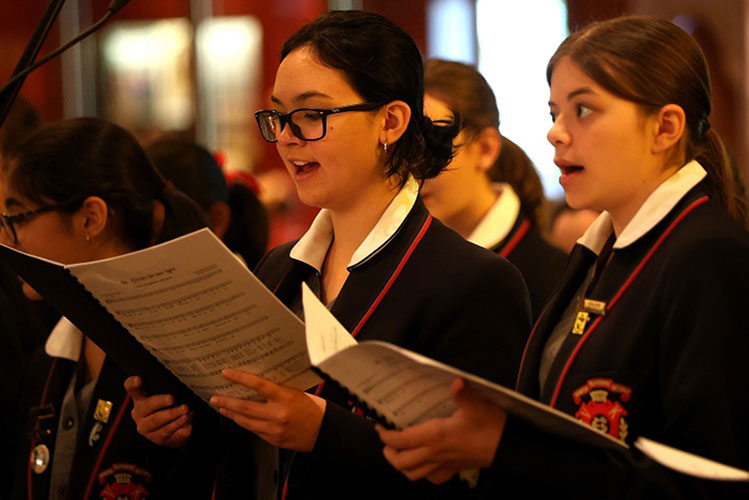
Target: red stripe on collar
619 294
519 234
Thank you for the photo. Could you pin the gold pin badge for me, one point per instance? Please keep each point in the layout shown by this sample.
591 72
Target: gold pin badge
39 458
103 409
581 321
594 306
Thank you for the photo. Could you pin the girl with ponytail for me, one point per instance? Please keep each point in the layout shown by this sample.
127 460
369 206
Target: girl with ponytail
347 118
657 287
76 191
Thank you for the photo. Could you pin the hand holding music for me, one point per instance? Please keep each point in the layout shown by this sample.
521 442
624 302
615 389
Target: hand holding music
156 420
288 418
440 448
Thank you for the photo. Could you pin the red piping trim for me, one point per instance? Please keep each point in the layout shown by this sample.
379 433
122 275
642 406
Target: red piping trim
33 441
376 303
619 294
392 279
104 448
519 234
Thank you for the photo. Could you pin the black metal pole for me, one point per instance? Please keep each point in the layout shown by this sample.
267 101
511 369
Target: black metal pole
8 95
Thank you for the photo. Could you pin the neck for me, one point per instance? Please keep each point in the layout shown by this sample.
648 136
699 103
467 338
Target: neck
464 221
352 224
623 214
350 227
94 358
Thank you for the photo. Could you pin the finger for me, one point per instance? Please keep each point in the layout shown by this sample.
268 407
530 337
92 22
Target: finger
156 422
412 469
410 460
441 475
263 386
259 427
250 409
413 437
457 387
134 387
146 406
175 425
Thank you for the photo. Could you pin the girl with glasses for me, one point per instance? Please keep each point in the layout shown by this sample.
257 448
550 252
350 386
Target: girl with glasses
490 193
77 191
646 334
349 126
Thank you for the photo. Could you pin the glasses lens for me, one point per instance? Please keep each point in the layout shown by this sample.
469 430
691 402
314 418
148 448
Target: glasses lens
269 126
308 124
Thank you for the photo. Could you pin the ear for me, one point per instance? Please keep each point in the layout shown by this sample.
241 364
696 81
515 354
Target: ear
219 218
489 142
670 122
397 114
91 219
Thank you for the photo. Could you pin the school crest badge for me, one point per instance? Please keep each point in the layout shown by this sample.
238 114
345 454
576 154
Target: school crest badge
601 405
124 482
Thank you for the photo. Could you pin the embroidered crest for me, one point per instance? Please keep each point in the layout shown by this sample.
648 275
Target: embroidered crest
600 405
124 482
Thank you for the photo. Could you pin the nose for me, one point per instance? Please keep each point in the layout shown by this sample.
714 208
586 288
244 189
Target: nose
287 137
558 135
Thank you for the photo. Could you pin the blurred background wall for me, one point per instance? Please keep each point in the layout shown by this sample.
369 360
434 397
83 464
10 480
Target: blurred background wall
201 68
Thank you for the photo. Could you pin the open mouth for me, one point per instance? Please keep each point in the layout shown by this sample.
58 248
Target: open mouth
302 167
570 169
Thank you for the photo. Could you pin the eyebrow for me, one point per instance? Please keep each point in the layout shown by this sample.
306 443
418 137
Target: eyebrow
302 97
577 92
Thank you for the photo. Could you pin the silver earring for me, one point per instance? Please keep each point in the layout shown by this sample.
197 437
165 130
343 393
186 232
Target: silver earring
385 147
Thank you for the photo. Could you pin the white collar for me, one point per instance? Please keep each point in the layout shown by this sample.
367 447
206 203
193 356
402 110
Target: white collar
65 341
499 220
655 208
313 246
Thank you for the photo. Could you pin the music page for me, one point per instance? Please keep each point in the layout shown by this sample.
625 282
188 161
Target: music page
198 309
407 388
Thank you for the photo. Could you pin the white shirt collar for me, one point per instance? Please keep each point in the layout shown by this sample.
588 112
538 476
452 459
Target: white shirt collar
313 246
65 341
655 208
499 220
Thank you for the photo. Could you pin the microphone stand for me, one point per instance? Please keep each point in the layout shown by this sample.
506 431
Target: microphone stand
9 93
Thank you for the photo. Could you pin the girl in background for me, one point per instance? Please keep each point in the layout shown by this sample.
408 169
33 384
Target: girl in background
77 191
490 193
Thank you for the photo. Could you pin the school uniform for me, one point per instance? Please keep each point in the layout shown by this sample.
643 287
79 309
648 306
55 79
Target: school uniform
668 360
508 233
79 441
415 283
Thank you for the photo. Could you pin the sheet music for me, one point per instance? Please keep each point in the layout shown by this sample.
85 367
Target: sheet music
196 307
407 388
688 463
331 336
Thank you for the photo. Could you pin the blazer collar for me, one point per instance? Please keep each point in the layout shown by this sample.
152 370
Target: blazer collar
65 341
313 246
499 220
655 208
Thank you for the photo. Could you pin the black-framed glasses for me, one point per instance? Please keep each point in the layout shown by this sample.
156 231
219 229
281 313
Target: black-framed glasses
308 124
8 221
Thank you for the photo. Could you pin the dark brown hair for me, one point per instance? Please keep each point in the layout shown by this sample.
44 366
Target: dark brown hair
382 63
466 91
653 62
67 161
